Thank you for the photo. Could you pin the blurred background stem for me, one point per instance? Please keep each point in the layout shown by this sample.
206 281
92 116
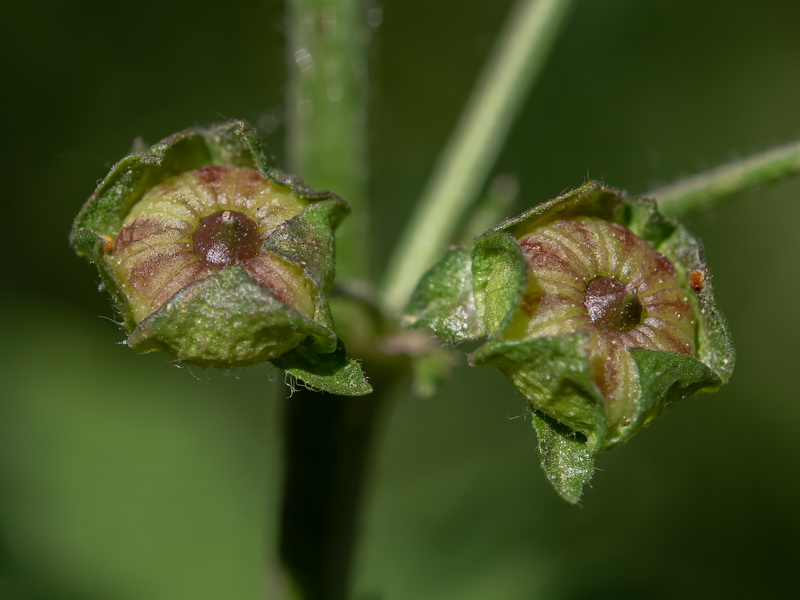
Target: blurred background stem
711 188
461 171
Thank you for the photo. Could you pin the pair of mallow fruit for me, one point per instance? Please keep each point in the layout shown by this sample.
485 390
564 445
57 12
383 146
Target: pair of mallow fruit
598 309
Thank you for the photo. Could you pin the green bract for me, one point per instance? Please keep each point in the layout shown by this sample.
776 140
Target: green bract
216 258
597 308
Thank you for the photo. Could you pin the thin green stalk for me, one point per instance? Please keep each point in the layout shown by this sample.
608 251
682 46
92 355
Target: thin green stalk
327 113
496 204
716 186
465 163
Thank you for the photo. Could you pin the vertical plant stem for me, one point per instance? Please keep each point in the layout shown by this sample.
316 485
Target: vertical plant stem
474 145
325 436
326 459
327 112
713 187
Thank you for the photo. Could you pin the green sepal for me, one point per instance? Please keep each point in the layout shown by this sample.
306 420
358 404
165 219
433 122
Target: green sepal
225 143
553 374
333 373
444 301
565 457
307 241
593 199
714 340
664 379
644 219
225 320
568 413
499 272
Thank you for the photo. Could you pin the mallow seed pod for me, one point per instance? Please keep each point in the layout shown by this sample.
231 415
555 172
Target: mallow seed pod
598 309
216 258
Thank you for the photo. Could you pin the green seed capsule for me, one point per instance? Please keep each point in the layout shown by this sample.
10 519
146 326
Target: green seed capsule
590 305
216 258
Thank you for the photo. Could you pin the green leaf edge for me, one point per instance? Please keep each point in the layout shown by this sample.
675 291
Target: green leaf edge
195 305
333 373
307 241
444 300
553 374
564 456
499 273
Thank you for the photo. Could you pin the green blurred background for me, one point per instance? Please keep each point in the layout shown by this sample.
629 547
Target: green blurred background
124 477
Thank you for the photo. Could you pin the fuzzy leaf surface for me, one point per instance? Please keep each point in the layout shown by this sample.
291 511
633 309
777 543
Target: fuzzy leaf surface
444 301
333 373
226 319
566 460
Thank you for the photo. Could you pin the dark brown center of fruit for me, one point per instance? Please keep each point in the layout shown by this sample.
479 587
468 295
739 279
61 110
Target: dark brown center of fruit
226 237
612 304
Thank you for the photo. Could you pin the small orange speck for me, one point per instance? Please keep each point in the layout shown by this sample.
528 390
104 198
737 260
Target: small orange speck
108 243
697 280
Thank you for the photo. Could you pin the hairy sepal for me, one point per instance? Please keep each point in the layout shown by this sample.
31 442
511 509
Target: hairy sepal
333 373
226 320
444 300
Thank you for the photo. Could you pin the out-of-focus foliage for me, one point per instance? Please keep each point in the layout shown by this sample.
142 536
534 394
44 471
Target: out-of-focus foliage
124 478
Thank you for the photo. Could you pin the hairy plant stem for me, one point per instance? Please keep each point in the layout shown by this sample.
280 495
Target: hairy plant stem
327 113
326 437
473 147
706 190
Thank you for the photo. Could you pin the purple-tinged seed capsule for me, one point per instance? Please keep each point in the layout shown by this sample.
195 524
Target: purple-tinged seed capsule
590 276
197 223
216 258
598 309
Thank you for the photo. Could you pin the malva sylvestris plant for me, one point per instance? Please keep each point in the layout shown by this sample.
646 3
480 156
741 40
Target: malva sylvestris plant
597 306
